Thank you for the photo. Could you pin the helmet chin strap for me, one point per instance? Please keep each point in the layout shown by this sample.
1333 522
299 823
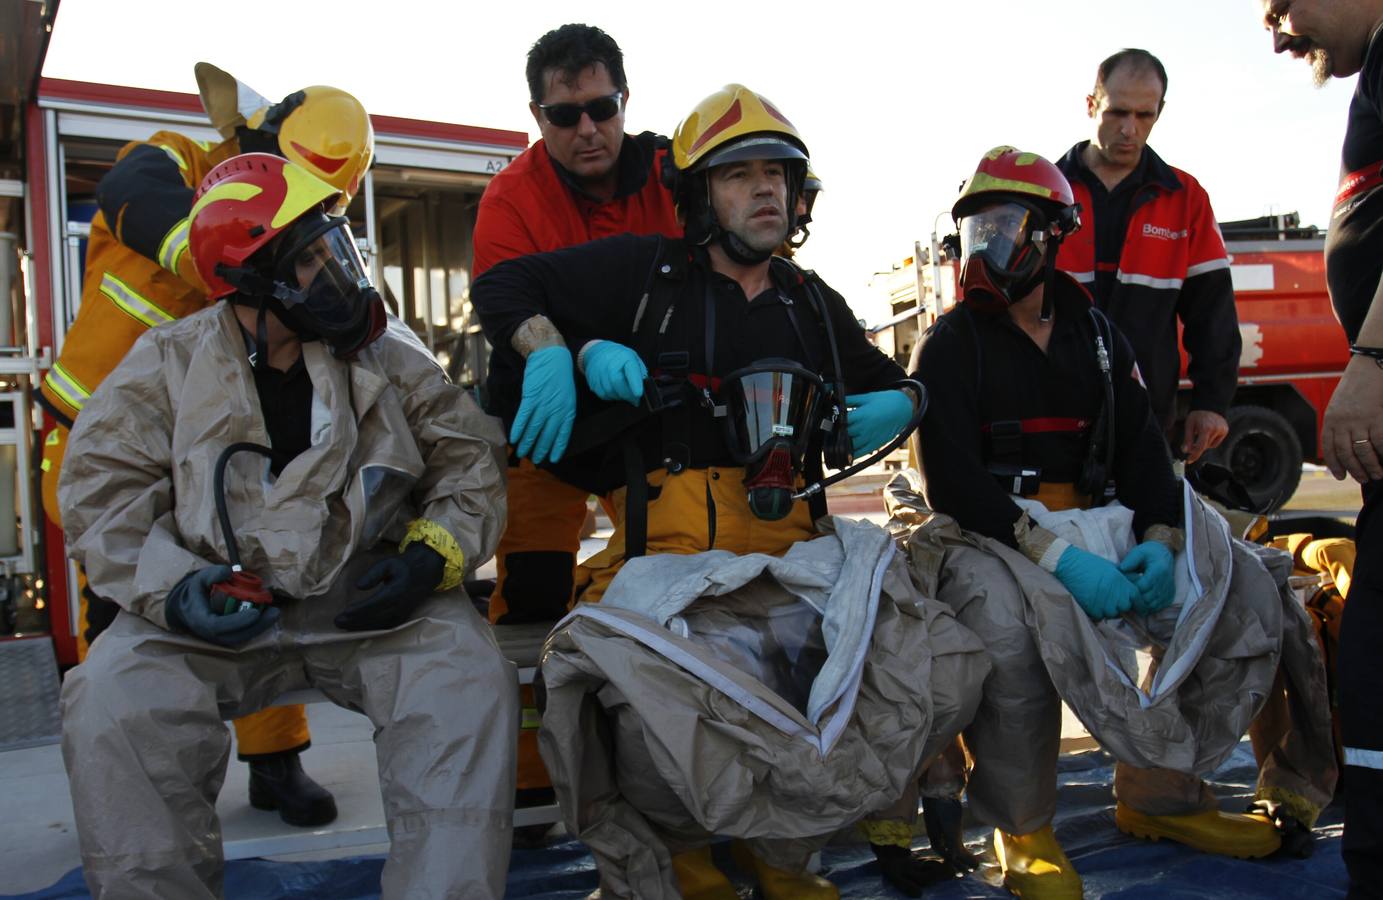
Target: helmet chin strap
738 250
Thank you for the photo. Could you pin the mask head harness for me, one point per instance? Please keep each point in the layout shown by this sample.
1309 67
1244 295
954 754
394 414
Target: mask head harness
1013 214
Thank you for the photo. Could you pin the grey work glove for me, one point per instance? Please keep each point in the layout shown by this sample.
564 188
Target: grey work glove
190 610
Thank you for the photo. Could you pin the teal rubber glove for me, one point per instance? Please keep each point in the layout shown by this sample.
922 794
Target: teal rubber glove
876 418
548 408
188 609
1149 567
614 372
1097 584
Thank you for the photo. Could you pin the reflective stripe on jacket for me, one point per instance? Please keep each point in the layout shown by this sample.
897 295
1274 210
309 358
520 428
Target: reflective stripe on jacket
1173 266
137 263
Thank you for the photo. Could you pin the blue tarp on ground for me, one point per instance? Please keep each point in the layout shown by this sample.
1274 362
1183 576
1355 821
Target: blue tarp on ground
1112 864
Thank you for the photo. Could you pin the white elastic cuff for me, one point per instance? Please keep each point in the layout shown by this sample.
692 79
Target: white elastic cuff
1053 555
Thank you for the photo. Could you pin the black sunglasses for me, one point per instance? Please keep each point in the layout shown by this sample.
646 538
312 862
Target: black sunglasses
565 115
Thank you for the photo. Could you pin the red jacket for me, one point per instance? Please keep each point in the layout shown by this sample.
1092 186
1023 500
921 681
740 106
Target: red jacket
530 208
1173 266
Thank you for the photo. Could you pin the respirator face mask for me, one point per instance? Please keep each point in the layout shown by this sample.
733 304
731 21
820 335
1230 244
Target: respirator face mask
323 289
771 411
1001 250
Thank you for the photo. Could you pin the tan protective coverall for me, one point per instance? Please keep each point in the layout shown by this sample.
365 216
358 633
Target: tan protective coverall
1245 639
678 707
143 733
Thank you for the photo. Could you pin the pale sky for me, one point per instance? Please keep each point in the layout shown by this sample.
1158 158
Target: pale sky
897 102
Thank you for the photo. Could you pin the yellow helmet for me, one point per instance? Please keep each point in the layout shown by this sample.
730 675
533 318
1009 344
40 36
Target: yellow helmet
734 124
326 131
323 129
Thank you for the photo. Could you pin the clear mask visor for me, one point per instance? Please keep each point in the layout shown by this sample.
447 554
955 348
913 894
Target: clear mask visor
1002 234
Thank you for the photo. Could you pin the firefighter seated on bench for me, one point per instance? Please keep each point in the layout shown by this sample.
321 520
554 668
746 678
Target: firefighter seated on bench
298 431
1035 397
732 344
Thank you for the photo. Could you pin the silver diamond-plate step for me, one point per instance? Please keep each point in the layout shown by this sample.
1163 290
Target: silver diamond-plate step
28 694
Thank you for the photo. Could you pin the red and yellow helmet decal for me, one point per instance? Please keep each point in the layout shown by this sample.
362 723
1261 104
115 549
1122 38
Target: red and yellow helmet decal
242 205
1010 171
727 117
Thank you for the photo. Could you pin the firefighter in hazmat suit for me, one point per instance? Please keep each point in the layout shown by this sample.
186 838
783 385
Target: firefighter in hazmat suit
139 275
382 487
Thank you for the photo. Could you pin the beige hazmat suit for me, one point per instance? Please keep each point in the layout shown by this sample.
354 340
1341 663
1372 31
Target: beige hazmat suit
776 699
143 733
1234 629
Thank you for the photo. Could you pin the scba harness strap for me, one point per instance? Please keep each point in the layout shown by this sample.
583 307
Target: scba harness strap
682 398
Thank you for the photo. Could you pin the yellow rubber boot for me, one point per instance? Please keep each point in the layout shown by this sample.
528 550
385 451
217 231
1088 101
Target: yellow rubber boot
699 879
778 884
1035 866
1228 834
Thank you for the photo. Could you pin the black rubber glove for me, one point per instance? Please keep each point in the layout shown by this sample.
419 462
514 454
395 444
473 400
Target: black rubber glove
188 608
393 588
908 872
942 817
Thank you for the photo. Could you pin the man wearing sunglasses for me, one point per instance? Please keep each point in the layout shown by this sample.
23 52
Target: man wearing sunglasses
1151 253
585 179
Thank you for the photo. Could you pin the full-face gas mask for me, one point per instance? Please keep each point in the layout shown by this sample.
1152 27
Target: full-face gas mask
771 411
320 288
1002 249
775 413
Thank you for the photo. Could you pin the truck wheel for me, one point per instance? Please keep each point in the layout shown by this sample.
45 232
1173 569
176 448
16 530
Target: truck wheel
1264 453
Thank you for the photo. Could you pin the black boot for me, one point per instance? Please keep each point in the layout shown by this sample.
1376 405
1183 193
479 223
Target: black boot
277 781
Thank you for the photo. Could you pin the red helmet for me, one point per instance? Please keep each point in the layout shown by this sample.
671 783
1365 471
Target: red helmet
312 277
242 205
1006 173
1012 213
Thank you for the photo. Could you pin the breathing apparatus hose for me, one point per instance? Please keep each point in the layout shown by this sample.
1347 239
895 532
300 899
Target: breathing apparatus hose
244 589
907 430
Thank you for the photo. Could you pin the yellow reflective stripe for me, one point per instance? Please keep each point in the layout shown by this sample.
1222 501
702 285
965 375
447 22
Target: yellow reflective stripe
439 539
132 304
531 718
173 246
54 438
61 382
205 145
177 157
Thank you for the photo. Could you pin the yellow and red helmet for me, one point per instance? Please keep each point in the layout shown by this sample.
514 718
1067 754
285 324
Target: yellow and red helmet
734 124
242 205
326 131
1007 172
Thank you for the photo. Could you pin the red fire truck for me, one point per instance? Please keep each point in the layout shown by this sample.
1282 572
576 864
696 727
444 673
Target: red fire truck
412 219
1293 349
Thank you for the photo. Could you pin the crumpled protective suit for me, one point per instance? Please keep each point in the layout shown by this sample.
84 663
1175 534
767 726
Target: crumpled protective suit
144 740
1216 655
771 698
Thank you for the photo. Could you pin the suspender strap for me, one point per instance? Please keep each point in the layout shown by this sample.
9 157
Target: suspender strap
635 497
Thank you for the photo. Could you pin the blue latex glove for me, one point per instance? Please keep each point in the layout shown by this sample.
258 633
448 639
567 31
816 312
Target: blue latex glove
1097 584
876 418
188 609
548 408
614 372
1149 566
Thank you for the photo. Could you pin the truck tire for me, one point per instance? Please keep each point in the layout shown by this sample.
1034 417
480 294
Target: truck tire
1264 453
